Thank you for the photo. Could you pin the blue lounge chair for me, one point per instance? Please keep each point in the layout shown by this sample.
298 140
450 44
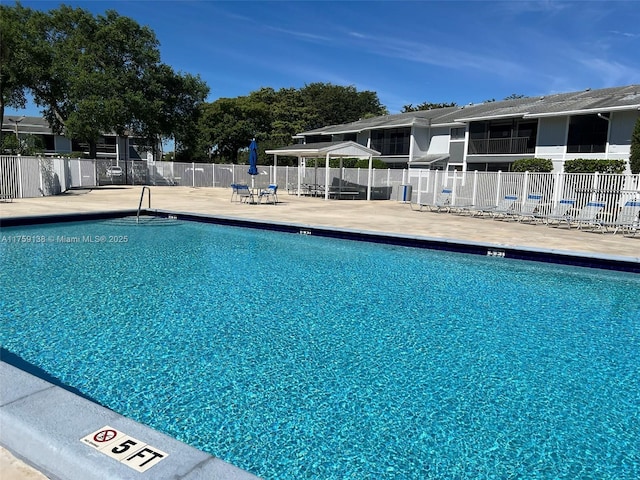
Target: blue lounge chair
529 209
560 213
441 202
587 216
270 194
627 219
503 208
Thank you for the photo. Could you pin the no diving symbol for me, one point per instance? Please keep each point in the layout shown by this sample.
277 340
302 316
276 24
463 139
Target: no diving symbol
105 436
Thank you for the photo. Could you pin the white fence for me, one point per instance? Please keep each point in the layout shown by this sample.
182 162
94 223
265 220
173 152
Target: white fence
22 177
488 188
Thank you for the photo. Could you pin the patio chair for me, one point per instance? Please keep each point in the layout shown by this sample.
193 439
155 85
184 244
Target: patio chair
560 213
234 192
529 209
269 194
241 193
627 219
587 216
442 201
502 209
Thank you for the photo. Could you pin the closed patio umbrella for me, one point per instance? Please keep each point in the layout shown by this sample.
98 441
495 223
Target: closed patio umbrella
253 161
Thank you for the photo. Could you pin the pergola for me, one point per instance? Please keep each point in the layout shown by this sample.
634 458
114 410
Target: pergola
342 149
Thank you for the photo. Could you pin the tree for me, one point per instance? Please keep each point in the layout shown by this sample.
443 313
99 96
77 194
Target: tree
172 108
93 75
274 117
333 104
15 37
634 157
90 71
228 125
426 106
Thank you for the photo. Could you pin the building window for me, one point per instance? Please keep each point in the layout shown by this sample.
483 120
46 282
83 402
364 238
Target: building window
511 136
317 138
49 143
350 137
457 133
587 134
391 141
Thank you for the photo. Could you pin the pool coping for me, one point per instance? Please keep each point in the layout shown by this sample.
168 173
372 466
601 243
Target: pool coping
49 439
30 425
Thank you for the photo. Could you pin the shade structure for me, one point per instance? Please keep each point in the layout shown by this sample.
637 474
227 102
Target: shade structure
327 150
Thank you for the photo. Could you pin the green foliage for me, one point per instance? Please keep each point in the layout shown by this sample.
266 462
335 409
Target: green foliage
99 74
532 165
515 96
26 145
329 104
634 157
227 125
15 38
10 145
426 106
587 165
355 163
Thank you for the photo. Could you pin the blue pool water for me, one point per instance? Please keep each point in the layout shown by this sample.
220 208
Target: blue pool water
298 357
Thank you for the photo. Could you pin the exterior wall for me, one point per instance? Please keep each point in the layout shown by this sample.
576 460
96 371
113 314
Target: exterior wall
439 143
456 152
620 130
421 142
363 138
480 160
552 139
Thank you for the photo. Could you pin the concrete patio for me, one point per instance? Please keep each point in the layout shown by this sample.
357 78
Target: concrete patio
377 216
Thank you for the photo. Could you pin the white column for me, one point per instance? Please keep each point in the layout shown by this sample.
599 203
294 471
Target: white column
300 160
275 169
369 177
326 177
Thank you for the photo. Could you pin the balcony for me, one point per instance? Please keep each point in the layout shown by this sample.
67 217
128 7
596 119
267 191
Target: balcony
505 146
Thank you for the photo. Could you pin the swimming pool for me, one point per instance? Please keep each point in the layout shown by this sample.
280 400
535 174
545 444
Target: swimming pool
294 356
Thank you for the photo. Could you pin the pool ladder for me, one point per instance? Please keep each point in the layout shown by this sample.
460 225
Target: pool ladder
140 204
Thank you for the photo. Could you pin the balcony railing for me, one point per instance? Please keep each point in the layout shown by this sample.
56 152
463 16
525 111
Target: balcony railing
510 145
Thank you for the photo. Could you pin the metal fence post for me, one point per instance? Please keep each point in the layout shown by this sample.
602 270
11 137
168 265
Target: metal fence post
596 182
475 187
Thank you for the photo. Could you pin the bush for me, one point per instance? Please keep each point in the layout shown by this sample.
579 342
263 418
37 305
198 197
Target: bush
587 165
354 163
532 165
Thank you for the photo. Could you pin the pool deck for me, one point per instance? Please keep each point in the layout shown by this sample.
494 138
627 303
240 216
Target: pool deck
54 447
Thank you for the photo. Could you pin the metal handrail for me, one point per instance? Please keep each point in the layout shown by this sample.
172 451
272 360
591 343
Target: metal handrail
140 204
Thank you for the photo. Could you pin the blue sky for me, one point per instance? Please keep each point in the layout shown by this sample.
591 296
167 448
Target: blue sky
406 52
